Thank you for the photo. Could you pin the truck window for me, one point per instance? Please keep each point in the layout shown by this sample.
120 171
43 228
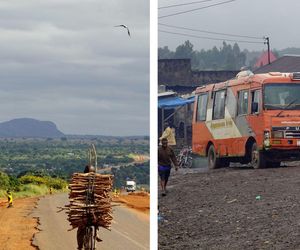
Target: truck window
201 107
255 101
243 102
219 104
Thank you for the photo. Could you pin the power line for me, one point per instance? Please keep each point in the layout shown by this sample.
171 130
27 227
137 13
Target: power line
209 38
208 6
182 4
209 32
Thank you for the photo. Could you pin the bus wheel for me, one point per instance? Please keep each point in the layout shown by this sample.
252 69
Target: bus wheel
257 157
213 160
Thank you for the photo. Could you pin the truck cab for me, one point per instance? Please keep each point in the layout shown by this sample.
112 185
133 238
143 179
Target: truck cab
130 186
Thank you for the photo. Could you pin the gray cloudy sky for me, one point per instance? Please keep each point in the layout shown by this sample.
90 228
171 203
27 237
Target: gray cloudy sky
64 61
277 19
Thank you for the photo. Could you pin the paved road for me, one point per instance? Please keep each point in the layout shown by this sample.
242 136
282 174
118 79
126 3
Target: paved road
130 229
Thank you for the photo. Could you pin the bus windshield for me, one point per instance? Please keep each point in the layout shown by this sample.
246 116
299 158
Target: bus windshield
282 96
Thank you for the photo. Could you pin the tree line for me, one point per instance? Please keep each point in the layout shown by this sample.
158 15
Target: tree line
227 57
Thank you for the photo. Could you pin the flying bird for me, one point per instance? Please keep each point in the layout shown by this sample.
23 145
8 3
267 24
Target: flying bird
124 26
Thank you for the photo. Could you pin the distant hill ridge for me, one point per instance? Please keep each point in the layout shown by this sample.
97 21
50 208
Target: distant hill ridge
28 127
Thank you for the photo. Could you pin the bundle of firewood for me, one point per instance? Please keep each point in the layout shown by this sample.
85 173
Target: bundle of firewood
90 197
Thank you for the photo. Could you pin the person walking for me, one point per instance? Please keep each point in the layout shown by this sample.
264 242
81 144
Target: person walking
9 199
166 157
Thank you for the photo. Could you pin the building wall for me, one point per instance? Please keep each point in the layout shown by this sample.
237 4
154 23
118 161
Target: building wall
174 71
178 72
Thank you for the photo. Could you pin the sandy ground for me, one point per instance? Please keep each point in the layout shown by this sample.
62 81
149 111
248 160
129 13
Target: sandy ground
138 200
17 225
232 208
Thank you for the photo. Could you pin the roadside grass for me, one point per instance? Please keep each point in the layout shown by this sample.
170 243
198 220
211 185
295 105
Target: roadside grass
32 190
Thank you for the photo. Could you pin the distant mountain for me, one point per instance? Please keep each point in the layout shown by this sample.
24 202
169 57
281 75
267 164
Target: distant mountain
27 127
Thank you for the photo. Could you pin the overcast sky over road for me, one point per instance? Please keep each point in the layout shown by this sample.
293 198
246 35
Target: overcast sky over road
64 61
256 18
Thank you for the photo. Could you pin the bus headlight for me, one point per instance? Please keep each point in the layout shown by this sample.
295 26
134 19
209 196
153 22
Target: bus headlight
277 134
267 138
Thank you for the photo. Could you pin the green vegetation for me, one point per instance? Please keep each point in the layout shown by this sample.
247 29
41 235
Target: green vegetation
56 183
138 172
225 58
61 158
29 185
31 166
30 190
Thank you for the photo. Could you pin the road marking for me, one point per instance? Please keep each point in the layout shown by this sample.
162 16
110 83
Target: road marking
133 241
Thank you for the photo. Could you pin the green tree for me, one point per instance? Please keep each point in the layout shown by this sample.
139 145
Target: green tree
165 53
185 50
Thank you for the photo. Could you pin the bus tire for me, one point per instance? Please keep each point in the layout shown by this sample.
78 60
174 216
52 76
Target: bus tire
257 157
213 160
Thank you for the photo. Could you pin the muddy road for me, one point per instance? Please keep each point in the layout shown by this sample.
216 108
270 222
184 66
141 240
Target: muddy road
232 208
130 228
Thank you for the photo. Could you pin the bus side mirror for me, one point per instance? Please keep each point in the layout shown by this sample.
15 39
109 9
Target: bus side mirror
254 107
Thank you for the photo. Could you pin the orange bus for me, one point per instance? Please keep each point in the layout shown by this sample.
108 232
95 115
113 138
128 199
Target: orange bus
252 119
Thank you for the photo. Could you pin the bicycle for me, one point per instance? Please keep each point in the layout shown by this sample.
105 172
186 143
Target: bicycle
90 233
184 158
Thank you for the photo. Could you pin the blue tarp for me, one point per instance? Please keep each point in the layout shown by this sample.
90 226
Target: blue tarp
173 102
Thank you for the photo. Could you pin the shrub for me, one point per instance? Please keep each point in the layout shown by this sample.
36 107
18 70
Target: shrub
4 180
26 179
56 183
14 183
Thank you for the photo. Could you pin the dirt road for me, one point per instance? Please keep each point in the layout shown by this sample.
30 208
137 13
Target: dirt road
17 225
233 208
130 228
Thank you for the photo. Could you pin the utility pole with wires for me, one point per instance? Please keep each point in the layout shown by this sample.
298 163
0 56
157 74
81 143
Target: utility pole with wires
267 41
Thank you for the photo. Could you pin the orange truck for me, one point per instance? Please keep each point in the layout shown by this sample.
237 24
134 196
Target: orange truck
251 119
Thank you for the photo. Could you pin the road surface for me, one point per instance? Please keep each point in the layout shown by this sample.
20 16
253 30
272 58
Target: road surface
130 229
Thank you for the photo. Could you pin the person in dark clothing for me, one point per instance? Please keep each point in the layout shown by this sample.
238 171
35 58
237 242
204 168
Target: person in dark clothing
166 157
81 228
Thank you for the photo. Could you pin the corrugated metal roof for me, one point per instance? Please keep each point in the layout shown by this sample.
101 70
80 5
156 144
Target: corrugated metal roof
282 64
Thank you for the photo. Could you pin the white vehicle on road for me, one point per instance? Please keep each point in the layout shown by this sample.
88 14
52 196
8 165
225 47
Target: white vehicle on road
130 186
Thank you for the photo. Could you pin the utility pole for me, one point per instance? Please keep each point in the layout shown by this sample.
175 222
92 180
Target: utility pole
267 41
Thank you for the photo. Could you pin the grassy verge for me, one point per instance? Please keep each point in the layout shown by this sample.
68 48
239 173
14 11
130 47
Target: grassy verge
31 190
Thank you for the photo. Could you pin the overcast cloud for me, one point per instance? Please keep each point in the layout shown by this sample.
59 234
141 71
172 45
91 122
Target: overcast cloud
277 19
64 61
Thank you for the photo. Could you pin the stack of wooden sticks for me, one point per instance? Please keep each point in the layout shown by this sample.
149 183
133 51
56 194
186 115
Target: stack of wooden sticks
90 195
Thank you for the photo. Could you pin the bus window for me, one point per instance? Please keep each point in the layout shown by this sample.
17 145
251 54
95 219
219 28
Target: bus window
243 102
201 107
219 105
255 101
